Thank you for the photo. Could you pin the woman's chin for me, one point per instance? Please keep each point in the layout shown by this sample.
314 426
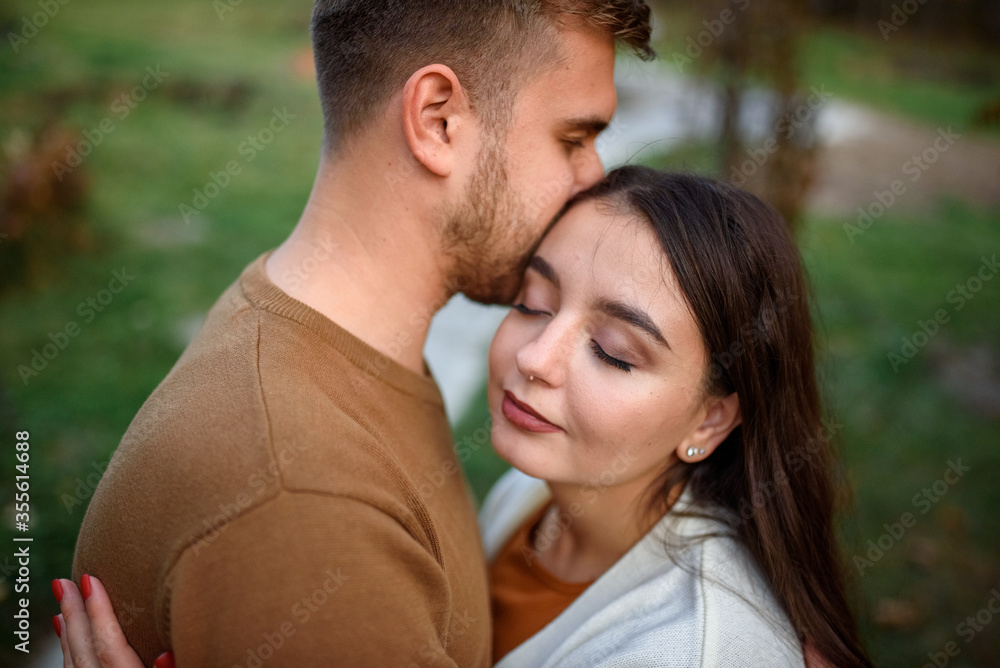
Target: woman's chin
526 457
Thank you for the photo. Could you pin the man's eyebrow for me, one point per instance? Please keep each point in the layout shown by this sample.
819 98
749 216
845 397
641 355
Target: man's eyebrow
545 269
633 316
590 124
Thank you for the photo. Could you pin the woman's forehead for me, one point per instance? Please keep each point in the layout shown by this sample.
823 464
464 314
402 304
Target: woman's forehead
594 236
606 251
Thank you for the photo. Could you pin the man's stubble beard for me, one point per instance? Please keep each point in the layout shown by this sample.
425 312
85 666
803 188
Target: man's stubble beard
488 236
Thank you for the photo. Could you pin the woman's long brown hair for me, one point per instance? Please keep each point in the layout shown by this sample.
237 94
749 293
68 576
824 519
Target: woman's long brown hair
740 270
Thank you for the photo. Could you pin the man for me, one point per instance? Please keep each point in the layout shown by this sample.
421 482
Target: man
269 502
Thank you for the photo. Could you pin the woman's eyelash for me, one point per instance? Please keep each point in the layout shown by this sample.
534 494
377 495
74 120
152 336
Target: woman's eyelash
521 308
612 361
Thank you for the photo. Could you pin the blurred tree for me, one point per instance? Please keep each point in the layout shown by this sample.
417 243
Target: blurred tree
960 19
42 200
758 42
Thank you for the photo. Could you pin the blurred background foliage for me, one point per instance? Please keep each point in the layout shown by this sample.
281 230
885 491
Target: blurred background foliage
229 64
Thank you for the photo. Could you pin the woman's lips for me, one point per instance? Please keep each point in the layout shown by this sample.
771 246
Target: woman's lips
524 416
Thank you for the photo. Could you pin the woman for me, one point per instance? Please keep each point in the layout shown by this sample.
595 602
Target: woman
654 389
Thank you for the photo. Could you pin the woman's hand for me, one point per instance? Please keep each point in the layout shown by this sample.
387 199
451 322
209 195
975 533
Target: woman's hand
89 631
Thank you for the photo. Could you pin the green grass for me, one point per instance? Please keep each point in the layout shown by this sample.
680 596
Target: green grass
899 429
902 429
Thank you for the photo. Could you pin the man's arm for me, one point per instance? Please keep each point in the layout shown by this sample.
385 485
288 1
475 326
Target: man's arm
309 579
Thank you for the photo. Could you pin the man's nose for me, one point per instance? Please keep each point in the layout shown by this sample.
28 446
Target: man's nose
590 171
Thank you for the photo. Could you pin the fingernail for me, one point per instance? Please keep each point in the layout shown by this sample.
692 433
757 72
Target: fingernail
166 660
85 587
57 625
57 590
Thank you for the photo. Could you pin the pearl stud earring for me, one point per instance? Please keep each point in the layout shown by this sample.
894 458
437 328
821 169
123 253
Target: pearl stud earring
695 451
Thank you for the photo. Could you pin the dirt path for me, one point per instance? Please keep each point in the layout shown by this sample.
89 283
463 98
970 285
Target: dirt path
871 150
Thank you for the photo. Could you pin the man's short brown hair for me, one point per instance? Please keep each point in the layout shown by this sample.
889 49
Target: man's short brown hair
365 50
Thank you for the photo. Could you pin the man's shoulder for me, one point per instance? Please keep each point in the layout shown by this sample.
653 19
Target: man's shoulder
226 427
252 391
219 437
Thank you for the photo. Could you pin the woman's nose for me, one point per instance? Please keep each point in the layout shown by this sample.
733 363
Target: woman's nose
545 357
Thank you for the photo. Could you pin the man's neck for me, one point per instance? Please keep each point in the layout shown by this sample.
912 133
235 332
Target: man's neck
360 256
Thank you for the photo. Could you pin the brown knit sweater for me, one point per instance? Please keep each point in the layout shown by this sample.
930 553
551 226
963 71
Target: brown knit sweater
288 496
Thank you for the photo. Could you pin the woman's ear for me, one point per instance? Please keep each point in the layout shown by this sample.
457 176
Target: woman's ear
434 108
722 415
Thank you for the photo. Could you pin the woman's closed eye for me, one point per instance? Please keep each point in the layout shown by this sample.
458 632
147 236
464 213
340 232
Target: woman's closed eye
521 308
608 359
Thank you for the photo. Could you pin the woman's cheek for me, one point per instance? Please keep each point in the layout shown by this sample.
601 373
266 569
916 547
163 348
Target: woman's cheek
500 350
601 420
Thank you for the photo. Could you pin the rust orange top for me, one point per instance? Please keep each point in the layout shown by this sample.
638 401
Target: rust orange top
524 596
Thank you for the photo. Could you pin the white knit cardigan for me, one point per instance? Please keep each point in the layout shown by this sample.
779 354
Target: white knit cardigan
646 610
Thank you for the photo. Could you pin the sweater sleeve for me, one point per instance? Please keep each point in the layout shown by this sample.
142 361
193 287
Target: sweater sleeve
309 579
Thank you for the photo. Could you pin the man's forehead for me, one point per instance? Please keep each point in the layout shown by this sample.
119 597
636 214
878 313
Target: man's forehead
574 101
583 81
583 113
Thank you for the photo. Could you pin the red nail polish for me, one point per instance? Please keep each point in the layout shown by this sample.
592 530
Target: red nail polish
57 590
57 625
85 587
166 660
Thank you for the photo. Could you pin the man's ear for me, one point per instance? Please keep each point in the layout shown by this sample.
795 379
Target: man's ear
434 107
722 415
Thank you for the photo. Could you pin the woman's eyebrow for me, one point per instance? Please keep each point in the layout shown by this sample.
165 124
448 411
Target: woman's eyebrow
545 269
633 316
